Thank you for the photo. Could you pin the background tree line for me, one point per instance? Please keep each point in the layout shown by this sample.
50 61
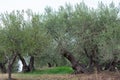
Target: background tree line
78 36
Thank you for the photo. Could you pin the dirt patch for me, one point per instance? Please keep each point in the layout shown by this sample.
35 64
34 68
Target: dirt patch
99 76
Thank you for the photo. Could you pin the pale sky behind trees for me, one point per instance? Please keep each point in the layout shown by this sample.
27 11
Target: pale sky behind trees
39 5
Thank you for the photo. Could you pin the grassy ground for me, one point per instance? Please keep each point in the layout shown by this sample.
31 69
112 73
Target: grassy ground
62 73
55 70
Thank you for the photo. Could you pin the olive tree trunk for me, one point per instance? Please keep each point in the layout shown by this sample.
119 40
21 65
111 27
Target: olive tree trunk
25 67
10 65
31 63
76 66
3 67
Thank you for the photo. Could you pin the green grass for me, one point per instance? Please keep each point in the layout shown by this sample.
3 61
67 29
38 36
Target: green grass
55 70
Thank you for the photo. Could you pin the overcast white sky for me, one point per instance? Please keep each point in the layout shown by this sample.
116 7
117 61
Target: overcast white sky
39 5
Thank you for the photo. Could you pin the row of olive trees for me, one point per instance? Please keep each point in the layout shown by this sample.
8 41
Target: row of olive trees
20 37
23 34
88 38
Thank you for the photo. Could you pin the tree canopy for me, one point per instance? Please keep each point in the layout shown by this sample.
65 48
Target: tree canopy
88 38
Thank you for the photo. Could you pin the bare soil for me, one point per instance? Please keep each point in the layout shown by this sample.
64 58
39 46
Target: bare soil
95 76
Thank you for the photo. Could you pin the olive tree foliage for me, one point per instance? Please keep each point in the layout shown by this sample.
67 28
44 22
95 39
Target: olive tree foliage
51 58
36 37
55 22
96 33
92 35
21 37
3 62
60 26
11 38
109 42
11 32
88 38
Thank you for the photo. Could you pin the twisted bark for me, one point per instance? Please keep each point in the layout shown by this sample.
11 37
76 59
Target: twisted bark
10 65
31 63
77 67
25 67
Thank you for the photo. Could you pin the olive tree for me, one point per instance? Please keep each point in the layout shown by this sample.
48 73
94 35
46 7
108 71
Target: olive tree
81 30
12 36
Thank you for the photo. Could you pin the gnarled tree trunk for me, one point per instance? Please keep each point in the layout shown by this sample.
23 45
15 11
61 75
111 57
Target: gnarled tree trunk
93 59
3 67
79 68
112 65
31 63
25 67
10 65
49 64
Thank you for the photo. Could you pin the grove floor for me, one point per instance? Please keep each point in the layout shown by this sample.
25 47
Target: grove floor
95 76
